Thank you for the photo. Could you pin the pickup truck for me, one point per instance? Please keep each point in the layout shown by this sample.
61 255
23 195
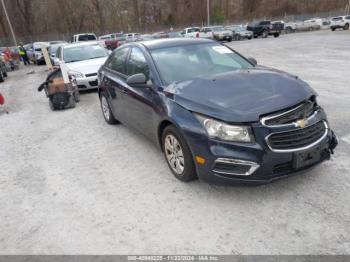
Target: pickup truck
191 32
266 28
113 41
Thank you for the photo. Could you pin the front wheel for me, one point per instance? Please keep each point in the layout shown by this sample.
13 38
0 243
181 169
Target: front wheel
106 110
265 34
276 35
346 27
178 155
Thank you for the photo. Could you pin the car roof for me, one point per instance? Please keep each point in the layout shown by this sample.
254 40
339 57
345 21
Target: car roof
163 43
81 44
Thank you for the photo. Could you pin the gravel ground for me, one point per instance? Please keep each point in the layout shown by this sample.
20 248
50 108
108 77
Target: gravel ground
70 184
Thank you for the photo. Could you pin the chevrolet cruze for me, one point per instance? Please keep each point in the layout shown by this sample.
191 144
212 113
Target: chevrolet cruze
215 114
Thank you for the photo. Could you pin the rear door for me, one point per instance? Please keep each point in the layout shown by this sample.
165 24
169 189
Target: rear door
114 81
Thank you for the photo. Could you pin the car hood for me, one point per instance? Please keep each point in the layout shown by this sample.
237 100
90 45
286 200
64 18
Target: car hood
87 66
240 96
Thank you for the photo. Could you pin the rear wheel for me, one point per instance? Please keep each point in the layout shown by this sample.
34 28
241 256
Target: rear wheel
2 79
276 35
178 155
106 110
333 29
346 27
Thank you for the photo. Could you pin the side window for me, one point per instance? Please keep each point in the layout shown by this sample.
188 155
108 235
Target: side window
58 53
117 60
137 63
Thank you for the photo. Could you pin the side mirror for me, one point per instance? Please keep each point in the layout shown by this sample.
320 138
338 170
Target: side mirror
138 80
253 61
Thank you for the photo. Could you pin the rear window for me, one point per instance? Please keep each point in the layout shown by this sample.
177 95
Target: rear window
336 18
86 38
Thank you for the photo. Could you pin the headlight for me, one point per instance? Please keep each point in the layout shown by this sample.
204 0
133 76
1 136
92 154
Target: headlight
223 131
76 74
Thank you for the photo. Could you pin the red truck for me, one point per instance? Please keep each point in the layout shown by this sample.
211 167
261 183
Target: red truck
113 41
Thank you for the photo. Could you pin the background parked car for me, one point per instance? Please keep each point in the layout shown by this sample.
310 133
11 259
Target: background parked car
35 53
113 41
132 37
338 22
266 28
83 37
160 35
221 34
240 32
83 60
3 71
191 32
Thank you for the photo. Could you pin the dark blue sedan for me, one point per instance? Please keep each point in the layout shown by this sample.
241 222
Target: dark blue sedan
215 114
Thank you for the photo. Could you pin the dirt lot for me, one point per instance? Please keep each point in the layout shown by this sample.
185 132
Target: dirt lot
71 184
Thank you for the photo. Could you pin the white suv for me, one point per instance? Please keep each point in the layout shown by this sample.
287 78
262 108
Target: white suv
340 22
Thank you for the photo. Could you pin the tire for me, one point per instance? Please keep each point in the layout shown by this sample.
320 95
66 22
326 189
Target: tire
265 34
5 74
175 147
289 30
230 39
2 79
106 110
76 96
276 35
346 27
250 38
333 29
255 36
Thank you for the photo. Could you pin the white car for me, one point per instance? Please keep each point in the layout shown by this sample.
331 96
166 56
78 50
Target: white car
83 61
191 32
133 37
35 53
340 22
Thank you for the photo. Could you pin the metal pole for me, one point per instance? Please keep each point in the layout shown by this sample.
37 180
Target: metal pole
9 22
208 11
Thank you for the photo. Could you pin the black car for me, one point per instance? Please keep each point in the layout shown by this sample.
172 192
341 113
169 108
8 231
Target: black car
215 114
266 28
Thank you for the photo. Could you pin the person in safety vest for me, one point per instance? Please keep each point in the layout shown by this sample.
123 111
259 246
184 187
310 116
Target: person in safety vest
23 54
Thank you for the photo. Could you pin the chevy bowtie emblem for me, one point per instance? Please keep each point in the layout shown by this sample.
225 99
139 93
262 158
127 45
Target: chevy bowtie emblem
302 123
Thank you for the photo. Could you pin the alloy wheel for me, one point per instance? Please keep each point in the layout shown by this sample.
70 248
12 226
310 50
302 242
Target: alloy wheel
105 107
174 154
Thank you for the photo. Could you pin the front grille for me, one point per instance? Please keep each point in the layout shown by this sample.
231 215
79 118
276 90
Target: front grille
302 111
297 138
93 83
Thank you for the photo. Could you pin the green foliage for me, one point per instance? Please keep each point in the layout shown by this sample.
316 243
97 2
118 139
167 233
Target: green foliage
217 16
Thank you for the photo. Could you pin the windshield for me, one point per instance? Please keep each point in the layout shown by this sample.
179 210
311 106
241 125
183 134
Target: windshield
53 49
85 52
195 61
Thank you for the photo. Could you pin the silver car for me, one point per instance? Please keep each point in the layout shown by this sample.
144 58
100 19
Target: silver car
83 61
